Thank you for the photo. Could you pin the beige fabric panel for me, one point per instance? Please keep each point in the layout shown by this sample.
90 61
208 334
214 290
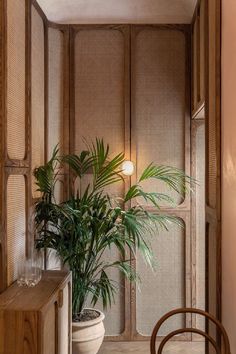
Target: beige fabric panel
16 79
55 90
200 222
99 112
37 92
159 100
164 289
16 225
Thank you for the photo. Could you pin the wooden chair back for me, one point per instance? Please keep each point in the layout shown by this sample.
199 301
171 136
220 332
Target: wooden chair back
219 326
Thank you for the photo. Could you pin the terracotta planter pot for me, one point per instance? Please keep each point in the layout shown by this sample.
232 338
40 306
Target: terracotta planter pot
87 337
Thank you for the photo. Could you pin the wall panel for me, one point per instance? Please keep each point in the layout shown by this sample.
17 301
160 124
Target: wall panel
16 225
165 287
158 93
200 221
160 121
55 89
213 159
159 131
37 92
16 79
99 87
99 110
15 129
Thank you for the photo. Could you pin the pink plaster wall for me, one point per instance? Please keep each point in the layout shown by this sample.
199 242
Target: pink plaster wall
229 167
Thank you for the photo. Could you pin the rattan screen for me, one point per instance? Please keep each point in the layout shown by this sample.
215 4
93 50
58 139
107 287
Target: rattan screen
16 79
55 90
164 289
99 112
16 224
212 158
212 173
99 87
200 221
37 92
158 93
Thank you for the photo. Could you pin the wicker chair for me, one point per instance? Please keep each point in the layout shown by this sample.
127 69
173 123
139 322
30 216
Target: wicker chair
225 348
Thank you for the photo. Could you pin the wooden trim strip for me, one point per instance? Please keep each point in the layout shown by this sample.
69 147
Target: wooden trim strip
3 83
196 11
72 90
46 79
58 26
39 10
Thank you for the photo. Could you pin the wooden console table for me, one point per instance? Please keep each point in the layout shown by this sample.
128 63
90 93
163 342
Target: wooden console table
37 320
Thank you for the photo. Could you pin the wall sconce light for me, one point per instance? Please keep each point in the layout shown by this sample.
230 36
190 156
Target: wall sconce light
127 168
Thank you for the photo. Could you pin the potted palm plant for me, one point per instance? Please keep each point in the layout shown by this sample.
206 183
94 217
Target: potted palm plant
83 227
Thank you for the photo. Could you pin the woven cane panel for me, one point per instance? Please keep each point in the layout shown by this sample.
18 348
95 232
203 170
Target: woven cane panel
16 225
164 289
16 79
99 112
159 100
99 89
212 131
200 222
55 88
37 93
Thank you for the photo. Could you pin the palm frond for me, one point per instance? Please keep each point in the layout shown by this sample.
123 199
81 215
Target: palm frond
46 175
172 177
81 164
105 289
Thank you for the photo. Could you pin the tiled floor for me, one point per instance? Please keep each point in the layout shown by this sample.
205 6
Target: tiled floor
143 348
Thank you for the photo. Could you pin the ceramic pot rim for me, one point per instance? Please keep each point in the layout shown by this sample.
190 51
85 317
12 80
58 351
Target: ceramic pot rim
91 322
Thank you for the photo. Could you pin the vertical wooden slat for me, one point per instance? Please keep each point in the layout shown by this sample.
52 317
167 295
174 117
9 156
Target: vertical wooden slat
3 64
46 92
28 123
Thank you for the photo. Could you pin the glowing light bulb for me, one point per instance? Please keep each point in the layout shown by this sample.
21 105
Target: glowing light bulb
127 168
